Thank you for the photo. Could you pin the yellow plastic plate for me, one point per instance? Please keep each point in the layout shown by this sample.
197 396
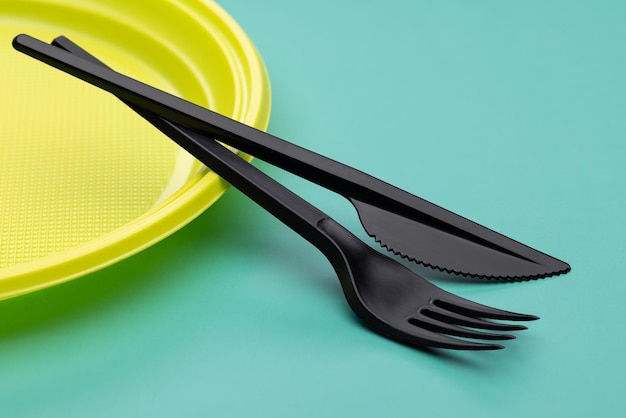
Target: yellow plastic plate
84 181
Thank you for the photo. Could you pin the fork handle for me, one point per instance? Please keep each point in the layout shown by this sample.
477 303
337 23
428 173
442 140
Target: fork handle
330 237
291 209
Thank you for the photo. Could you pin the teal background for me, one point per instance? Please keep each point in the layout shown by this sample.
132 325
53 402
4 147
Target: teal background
510 113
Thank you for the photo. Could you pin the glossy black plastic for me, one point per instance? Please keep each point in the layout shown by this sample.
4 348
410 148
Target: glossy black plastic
386 296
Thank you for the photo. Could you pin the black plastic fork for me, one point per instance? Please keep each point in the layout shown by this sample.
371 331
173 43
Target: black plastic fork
388 297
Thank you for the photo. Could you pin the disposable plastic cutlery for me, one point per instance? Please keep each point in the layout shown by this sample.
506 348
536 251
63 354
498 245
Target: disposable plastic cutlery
388 297
403 223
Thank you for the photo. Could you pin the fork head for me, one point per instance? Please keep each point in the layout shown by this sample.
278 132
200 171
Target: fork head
396 302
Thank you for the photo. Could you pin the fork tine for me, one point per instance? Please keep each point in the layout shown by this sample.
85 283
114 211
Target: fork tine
463 306
450 317
438 326
418 335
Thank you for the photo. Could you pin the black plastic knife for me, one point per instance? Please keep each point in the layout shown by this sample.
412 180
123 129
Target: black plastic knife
401 222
